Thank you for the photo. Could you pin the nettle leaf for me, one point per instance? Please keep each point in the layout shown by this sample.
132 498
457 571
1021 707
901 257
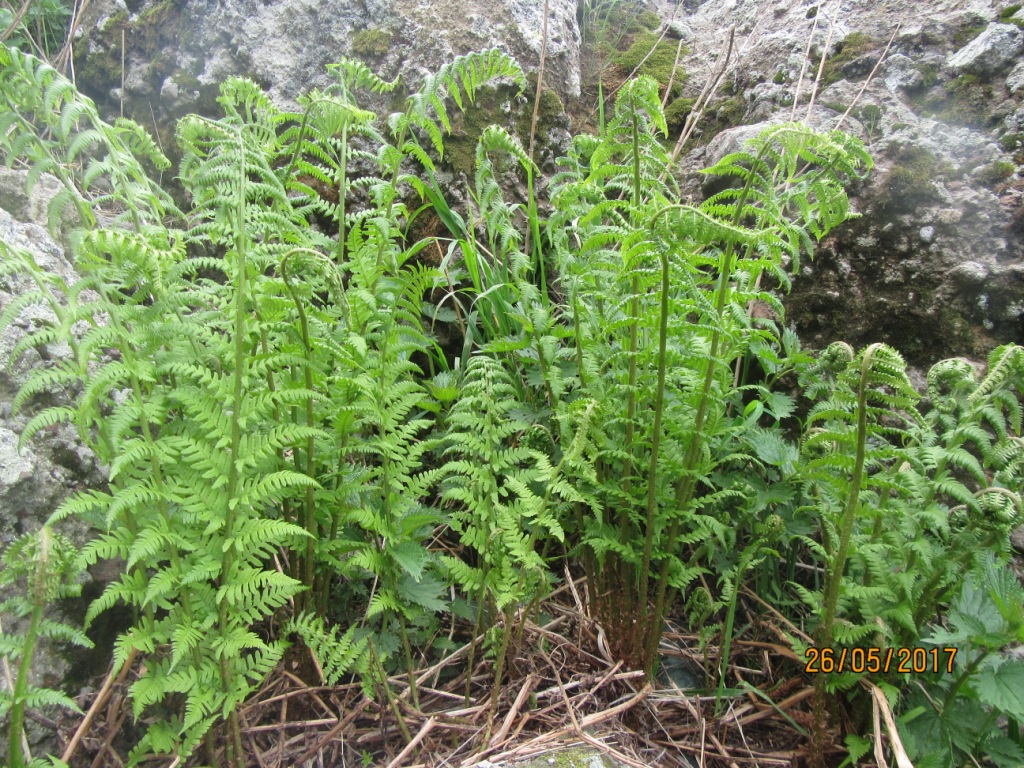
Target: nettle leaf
425 592
772 448
1003 752
412 557
1001 685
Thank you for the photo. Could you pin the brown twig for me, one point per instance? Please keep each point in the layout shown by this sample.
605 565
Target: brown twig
427 727
870 77
98 702
506 724
697 112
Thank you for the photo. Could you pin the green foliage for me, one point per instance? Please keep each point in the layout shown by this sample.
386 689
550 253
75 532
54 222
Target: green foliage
41 27
909 504
956 717
871 116
37 569
676 276
1008 12
995 173
285 434
54 129
244 414
335 655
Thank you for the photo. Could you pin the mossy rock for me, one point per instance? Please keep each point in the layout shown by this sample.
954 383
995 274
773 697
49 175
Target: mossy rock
499 106
967 33
1013 142
910 181
965 100
371 43
729 113
158 26
677 112
995 173
870 115
658 65
929 75
648 21
855 45
969 101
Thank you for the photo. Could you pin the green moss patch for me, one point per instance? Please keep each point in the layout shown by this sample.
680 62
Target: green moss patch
648 21
658 65
964 100
371 43
968 102
966 33
1007 15
491 107
677 112
910 181
855 45
994 174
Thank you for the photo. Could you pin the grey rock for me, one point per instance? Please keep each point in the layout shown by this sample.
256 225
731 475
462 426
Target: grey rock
34 480
765 100
49 256
861 67
32 206
16 472
989 53
901 74
1015 80
680 31
287 45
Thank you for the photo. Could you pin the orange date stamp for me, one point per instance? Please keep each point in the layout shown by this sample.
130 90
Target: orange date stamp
879 660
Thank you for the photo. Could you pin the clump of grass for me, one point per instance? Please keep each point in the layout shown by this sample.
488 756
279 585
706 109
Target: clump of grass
967 33
1006 15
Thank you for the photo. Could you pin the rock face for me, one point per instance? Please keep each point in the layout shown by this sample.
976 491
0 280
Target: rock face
935 263
178 51
991 52
36 478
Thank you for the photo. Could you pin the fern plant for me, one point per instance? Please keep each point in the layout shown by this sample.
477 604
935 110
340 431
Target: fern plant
187 488
52 128
909 504
503 491
656 287
39 569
